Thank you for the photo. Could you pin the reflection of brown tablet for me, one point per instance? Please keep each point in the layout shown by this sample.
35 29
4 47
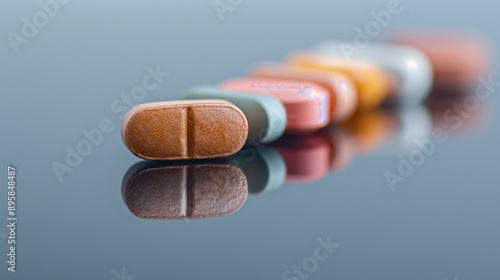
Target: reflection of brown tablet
186 190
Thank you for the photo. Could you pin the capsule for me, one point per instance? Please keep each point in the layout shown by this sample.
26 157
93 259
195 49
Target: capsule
410 67
266 115
194 129
307 104
372 83
307 157
343 95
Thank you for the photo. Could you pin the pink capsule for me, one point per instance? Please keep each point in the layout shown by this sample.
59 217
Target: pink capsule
307 104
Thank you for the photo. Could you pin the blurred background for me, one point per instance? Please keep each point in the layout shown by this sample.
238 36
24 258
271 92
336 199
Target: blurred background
75 71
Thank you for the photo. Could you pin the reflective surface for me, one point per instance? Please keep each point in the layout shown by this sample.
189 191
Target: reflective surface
336 216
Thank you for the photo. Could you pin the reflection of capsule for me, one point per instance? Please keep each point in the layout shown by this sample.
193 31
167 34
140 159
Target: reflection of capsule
458 114
370 129
310 157
307 104
372 82
266 115
263 166
307 157
181 190
409 66
342 148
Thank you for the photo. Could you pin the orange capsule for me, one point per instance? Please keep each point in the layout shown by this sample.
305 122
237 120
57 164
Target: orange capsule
371 129
372 83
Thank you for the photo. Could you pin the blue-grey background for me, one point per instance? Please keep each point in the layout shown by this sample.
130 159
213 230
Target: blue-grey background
442 223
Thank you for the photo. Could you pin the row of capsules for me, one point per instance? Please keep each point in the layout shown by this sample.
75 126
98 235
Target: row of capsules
312 89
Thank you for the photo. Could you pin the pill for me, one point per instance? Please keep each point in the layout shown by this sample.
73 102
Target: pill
343 95
410 67
457 58
266 115
191 129
307 104
370 129
264 167
372 83
153 190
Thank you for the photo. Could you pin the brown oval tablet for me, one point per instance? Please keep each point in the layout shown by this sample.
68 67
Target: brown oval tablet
185 190
190 129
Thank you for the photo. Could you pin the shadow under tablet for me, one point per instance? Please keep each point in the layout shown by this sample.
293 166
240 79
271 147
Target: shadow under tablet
180 190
